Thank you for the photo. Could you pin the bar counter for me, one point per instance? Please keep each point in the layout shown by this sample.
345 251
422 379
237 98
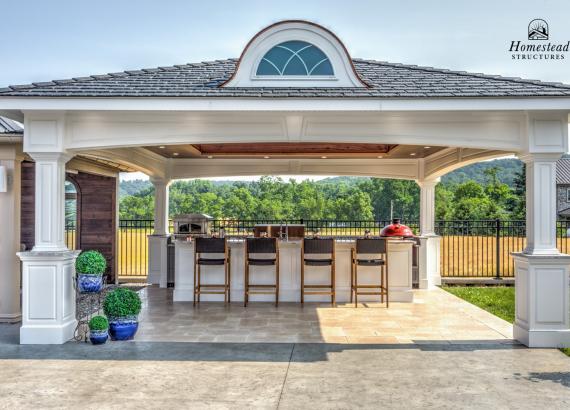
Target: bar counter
399 271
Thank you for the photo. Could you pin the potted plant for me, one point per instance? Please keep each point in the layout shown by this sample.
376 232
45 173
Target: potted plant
90 267
98 330
122 307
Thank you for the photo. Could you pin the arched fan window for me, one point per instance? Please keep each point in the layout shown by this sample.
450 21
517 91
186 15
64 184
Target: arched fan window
295 58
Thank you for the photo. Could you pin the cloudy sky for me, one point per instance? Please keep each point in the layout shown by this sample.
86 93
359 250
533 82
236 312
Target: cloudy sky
45 40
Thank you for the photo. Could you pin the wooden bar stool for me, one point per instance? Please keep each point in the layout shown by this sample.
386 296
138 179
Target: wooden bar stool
312 247
215 246
378 247
255 246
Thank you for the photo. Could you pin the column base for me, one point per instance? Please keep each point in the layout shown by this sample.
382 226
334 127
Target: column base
10 318
48 297
46 334
429 261
158 260
542 338
542 300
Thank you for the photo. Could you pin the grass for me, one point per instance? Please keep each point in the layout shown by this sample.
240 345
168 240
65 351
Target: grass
498 300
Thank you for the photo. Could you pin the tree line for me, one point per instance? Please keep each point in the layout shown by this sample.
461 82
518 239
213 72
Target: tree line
341 198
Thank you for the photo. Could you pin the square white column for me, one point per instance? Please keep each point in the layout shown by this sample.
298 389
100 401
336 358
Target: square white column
157 242
48 271
430 243
541 271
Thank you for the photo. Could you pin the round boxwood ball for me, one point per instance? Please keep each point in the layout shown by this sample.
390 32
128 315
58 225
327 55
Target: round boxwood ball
91 263
122 302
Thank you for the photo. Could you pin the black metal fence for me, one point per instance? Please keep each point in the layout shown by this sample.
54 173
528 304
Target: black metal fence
468 248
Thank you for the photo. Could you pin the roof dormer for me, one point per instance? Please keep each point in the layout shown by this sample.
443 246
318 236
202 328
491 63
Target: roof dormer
295 54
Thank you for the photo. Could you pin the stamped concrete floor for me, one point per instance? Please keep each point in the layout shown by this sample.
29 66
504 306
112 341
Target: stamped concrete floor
435 317
175 375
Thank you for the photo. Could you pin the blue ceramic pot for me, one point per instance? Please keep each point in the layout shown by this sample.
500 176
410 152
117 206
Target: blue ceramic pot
89 283
123 328
98 337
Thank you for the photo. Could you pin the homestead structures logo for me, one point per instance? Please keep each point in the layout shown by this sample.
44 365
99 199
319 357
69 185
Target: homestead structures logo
538 30
538 47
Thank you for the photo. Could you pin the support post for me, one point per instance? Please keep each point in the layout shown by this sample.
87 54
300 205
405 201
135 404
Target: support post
10 311
158 241
429 252
541 271
48 271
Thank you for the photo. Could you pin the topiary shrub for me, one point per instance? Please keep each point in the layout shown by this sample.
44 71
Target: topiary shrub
122 302
91 263
98 323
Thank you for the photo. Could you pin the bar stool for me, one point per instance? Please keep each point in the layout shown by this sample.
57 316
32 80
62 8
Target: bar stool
378 248
255 246
215 246
318 246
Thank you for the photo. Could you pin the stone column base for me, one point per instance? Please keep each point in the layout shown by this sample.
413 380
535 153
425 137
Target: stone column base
429 261
158 260
48 297
541 300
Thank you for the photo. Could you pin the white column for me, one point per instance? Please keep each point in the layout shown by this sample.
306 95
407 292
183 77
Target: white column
541 203
160 206
10 311
430 243
541 271
427 206
50 201
157 242
48 271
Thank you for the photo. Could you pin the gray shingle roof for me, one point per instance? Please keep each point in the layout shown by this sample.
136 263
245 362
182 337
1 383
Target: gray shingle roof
563 171
386 80
8 126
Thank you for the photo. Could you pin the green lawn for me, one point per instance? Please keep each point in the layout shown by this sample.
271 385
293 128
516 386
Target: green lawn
499 300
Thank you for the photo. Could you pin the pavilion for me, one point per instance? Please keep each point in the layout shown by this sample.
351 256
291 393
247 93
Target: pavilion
294 102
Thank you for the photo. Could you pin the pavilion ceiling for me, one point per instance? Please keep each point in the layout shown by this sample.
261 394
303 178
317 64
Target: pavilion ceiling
294 150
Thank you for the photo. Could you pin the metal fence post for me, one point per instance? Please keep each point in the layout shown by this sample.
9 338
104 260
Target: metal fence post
498 248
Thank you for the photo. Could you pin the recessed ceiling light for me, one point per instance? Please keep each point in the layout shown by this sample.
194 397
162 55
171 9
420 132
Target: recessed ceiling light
323 157
161 147
266 157
413 154
175 154
210 157
379 156
427 147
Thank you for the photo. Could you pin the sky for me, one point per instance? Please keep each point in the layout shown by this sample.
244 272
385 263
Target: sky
56 39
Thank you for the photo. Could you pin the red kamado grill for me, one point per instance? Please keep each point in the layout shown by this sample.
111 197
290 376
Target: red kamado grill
397 229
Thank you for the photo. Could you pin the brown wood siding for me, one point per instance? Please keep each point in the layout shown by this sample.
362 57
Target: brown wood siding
96 208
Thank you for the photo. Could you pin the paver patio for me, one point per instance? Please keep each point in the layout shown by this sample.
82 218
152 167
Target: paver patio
435 316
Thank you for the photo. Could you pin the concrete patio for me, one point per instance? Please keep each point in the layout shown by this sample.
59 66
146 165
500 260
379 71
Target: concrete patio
435 316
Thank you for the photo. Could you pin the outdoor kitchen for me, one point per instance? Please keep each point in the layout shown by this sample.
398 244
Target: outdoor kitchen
401 263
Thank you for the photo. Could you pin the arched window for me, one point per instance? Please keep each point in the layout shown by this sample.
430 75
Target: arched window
295 58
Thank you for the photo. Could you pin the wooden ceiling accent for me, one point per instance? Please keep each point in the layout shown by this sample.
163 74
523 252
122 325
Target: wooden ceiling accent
287 148
293 150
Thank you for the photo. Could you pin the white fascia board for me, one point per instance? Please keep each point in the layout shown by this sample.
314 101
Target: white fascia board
18 104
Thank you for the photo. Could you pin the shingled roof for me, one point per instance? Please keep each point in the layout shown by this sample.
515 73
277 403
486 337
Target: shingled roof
10 127
563 171
385 80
